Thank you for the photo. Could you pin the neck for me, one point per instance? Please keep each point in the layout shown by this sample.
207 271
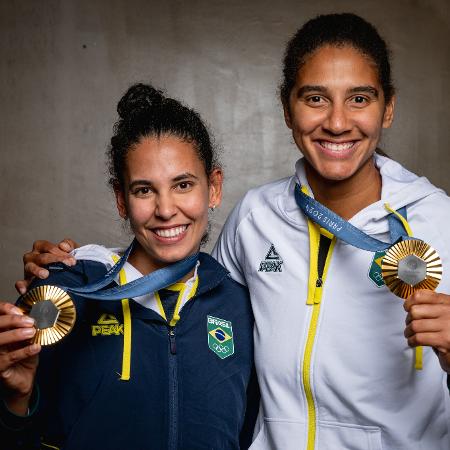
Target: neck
141 261
347 197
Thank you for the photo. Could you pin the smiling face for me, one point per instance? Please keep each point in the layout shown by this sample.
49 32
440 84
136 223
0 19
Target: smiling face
166 198
336 112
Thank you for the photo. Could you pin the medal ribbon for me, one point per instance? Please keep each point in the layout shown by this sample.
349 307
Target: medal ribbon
344 230
149 283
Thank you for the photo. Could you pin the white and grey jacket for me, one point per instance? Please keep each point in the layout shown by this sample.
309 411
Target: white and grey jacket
337 373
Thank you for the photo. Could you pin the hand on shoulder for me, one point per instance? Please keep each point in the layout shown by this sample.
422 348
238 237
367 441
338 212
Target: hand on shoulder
42 254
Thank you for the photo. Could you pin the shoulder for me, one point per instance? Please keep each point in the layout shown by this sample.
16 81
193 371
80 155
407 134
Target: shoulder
265 196
270 197
92 263
212 275
82 273
98 253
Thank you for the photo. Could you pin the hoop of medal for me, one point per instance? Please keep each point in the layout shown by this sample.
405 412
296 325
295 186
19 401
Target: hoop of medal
54 311
409 264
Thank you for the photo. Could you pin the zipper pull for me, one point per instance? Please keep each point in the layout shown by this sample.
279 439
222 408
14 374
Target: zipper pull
319 282
173 345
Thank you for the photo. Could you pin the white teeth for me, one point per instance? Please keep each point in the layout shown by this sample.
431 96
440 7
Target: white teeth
171 232
337 147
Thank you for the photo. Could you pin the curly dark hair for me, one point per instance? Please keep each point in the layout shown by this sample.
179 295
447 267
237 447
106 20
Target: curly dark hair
336 30
145 112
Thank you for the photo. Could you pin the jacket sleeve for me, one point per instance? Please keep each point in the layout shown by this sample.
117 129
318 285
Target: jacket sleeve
228 250
22 432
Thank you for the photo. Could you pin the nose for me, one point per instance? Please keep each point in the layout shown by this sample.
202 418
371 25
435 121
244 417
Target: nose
337 121
166 206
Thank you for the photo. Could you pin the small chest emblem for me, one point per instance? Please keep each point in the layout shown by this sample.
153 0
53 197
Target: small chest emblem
375 269
107 325
272 262
220 336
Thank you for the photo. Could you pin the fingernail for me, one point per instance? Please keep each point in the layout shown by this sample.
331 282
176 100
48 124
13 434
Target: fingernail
16 311
22 290
28 332
43 273
69 262
27 320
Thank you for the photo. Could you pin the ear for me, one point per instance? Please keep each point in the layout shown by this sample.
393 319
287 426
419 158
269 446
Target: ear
388 116
215 187
287 115
120 202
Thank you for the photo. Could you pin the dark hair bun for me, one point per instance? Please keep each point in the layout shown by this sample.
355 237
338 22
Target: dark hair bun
147 112
139 99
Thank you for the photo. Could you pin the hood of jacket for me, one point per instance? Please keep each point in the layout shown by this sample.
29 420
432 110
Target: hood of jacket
400 188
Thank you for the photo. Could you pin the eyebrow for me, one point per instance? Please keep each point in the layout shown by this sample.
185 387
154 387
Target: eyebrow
322 89
181 177
185 175
368 89
310 88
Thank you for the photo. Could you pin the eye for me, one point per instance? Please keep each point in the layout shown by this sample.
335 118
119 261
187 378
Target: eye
359 100
184 185
315 100
142 191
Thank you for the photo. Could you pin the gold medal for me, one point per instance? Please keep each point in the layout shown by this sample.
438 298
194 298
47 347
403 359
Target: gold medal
53 311
411 265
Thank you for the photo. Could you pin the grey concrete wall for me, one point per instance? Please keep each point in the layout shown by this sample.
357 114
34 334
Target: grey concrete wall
64 65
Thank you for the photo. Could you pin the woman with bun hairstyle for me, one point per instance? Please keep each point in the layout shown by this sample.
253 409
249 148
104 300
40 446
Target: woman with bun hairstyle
166 370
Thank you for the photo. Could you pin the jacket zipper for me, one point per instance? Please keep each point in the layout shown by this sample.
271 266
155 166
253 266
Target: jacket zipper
320 251
173 391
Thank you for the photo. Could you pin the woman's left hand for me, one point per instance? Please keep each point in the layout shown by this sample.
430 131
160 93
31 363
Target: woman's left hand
428 323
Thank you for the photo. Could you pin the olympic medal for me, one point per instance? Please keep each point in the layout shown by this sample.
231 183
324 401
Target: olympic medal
411 265
53 311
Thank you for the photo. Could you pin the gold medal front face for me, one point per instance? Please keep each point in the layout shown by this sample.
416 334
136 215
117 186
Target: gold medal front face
53 311
411 265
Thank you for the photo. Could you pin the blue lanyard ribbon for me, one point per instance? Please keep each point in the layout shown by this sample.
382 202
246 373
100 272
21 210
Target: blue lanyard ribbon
144 285
344 230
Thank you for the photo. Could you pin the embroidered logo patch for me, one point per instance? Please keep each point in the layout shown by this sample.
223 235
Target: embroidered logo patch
375 269
220 336
107 325
272 262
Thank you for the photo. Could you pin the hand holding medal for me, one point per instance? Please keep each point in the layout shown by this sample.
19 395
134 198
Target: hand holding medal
408 265
18 358
428 323
54 312
411 269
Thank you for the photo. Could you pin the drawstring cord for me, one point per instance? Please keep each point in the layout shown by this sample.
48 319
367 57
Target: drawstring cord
418 363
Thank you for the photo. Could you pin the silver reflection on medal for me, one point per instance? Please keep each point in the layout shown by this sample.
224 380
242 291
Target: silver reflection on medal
53 311
411 265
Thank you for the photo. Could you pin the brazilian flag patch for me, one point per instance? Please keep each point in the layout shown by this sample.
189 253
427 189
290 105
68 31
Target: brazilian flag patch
220 336
375 269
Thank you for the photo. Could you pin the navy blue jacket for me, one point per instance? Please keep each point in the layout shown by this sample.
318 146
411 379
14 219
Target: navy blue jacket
181 394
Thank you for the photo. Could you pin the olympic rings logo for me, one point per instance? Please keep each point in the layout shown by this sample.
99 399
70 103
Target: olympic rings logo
220 348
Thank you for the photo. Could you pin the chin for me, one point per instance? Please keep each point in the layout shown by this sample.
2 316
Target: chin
335 173
174 256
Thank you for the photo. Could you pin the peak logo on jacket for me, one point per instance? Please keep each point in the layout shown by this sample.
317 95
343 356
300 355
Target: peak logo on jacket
272 262
107 325
220 336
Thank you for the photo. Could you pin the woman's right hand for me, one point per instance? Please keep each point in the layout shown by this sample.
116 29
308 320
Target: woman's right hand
18 358
43 253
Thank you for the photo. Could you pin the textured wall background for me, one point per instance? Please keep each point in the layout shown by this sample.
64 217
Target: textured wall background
65 64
